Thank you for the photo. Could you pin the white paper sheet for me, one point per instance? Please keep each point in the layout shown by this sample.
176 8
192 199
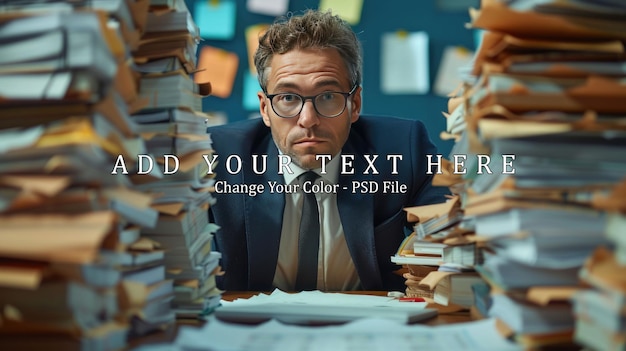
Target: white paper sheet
404 61
326 299
368 334
362 335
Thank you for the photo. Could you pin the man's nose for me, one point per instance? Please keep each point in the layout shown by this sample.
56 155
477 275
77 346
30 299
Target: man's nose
308 116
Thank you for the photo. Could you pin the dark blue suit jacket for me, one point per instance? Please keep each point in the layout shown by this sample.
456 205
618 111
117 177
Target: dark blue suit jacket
373 223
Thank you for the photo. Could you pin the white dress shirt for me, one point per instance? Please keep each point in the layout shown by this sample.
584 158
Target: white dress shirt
335 270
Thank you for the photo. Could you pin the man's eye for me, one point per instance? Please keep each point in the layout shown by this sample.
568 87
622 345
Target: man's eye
326 96
288 97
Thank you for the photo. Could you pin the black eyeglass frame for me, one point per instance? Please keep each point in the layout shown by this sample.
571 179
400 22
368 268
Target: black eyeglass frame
312 98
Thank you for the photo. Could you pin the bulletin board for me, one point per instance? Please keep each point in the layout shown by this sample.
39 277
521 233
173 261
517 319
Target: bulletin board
444 25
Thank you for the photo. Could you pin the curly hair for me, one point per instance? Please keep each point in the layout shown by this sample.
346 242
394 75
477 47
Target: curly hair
313 29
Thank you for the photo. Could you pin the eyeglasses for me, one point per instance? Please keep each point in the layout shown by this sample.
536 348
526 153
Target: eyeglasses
328 104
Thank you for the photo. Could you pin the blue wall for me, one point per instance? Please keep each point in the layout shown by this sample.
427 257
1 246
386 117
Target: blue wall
378 17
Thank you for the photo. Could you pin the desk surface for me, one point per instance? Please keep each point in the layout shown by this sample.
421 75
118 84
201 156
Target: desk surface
445 316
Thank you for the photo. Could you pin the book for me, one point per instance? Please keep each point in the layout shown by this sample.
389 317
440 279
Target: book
456 289
548 224
464 254
421 247
525 318
549 252
416 260
506 274
147 275
178 19
131 258
413 251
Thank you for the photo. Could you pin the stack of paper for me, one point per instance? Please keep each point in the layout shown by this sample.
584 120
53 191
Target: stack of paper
180 153
540 139
452 288
440 254
75 272
59 64
171 90
170 32
601 311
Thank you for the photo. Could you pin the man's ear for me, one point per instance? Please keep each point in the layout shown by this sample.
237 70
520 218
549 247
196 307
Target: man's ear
264 108
356 105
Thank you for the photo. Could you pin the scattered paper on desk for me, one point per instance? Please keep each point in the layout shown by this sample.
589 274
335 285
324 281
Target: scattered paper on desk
365 334
404 63
218 67
216 19
268 7
349 10
319 298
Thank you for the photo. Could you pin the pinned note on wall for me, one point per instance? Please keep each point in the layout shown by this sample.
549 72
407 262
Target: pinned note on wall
404 61
456 62
252 42
349 10
219 67
216 18
268 7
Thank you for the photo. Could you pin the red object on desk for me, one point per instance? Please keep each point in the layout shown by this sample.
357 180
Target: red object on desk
412 299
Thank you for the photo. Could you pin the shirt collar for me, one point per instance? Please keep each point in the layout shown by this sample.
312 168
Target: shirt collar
331 176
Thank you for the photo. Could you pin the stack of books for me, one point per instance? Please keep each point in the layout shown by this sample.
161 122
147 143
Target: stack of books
75 272
178 163
439 256
540 137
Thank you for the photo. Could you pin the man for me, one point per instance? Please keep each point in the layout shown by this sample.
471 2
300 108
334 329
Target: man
368 169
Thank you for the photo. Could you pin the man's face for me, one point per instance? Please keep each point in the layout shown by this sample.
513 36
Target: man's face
309 72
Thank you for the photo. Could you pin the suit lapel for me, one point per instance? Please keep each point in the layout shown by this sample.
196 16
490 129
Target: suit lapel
356 212
263 214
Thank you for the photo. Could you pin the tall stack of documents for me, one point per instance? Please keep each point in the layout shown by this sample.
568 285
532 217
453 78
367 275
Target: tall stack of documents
439 256
540 140
179 151
75 272
167 54
601 311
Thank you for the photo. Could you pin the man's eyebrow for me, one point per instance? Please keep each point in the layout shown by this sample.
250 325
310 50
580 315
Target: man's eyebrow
321 84
286 85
